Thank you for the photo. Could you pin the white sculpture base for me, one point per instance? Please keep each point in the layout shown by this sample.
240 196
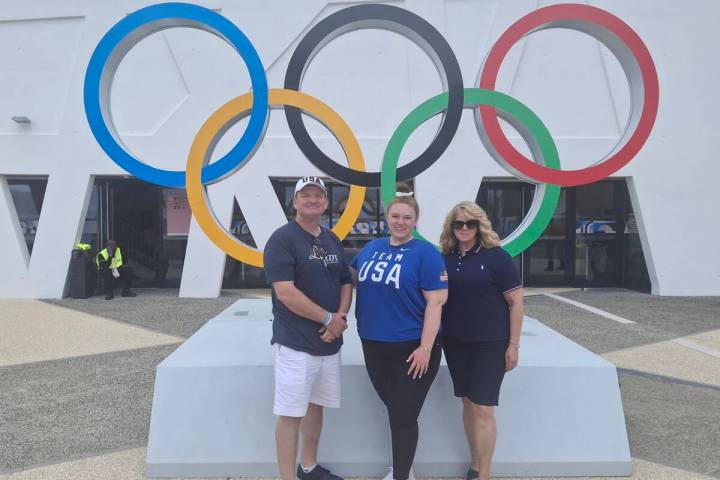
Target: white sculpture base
560 411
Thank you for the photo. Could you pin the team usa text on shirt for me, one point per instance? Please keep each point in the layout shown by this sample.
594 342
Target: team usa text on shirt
385 268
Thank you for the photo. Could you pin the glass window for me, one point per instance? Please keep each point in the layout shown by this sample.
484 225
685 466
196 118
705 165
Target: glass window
503 201
91 227
176 216
237 274
28 195
240 228
176 212
546 261
596 247
370 223
635 273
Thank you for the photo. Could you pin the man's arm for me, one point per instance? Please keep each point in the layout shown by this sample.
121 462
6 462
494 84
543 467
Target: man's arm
102 263
298 303
346 297
345 301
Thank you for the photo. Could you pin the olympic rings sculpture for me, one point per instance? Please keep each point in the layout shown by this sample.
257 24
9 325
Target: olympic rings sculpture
543 170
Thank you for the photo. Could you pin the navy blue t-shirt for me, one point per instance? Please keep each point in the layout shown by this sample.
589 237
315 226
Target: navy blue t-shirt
317 267
476 310
389 304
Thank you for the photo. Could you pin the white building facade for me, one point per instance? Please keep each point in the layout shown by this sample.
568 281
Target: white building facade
651 225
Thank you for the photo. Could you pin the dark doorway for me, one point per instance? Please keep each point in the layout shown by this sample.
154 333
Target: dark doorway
592 240
135 214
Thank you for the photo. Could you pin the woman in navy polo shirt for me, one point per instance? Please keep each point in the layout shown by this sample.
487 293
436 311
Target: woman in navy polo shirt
401 288
481 324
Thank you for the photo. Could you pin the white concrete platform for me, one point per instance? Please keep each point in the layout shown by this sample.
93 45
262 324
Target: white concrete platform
560 414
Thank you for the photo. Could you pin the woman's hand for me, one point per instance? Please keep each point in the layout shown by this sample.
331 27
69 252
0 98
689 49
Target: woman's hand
419 360
511 357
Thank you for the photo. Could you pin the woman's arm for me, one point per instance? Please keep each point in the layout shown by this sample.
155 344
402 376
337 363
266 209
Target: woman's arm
420 358
517 310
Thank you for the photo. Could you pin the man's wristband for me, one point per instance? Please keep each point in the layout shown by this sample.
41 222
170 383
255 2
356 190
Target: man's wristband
328 319
515 342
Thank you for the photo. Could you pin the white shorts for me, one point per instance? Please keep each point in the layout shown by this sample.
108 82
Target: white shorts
301 379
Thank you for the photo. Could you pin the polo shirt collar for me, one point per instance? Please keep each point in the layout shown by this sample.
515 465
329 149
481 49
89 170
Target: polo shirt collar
474 250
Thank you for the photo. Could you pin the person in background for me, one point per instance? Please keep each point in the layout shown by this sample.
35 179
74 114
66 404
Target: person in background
481 324
112 269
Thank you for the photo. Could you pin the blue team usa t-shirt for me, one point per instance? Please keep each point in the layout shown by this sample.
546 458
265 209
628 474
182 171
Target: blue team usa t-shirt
389 304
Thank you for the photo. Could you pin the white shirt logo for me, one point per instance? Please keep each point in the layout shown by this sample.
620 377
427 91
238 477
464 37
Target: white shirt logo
379 272
319 253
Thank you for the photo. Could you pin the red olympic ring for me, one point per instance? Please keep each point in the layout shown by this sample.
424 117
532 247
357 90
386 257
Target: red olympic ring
613 33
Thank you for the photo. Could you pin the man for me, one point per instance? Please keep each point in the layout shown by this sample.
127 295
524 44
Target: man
110 263
311 295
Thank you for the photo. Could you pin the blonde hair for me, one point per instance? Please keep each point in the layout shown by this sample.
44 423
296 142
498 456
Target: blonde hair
472 211
404 195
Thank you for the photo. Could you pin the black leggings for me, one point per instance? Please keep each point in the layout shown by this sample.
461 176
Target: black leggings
404 397
125 279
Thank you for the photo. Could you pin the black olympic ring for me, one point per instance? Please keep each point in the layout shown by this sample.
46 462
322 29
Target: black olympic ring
406 24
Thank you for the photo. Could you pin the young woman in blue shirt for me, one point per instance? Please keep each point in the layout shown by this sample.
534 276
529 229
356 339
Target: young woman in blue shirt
401 288
481 324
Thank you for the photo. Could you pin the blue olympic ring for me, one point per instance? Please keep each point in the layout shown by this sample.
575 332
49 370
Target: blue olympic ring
127 33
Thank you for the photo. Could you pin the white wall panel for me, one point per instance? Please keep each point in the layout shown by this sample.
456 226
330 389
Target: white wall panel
174 80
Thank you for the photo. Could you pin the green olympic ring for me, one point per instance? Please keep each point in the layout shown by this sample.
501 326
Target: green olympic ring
527 124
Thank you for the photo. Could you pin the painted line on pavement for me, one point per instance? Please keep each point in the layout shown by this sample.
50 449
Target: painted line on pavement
667 379
697 347
597 311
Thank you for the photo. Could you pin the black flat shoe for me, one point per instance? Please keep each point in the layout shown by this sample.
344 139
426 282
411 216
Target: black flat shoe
471 474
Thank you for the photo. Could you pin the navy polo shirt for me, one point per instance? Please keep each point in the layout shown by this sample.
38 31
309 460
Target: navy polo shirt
317 268
476 310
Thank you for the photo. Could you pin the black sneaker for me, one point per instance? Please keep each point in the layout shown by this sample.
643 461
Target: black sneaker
471 474
317 473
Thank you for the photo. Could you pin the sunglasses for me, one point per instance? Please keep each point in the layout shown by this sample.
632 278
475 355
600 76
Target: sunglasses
470 224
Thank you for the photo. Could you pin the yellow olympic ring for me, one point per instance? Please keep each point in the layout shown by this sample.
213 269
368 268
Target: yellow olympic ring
232 112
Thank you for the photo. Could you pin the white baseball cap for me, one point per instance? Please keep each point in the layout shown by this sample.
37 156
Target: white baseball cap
305 181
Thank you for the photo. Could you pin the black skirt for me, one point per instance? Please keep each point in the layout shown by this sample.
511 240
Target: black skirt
477 369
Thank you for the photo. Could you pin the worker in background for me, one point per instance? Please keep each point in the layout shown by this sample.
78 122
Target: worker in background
110 263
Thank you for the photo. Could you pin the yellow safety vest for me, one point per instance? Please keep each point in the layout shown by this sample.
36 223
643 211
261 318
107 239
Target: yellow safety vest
116 261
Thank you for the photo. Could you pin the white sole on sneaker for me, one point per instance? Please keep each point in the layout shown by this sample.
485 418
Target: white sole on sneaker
389 475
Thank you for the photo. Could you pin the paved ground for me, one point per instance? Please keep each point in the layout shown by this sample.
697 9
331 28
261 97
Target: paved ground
671 393
76 377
